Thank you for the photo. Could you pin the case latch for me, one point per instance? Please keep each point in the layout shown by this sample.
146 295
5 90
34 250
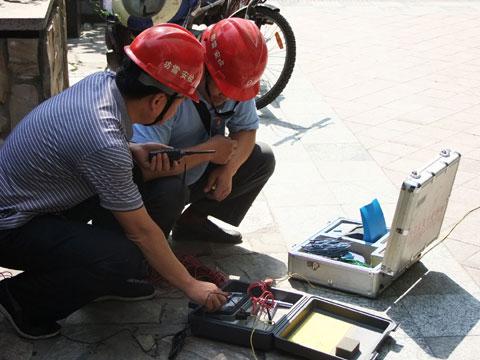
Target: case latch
387 271
445 153
415 175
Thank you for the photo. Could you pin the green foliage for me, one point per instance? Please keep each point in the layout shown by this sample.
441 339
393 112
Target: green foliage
98 8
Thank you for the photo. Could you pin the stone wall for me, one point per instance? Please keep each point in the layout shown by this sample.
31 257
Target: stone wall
33 67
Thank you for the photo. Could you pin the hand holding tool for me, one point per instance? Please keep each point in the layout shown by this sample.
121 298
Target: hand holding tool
176 154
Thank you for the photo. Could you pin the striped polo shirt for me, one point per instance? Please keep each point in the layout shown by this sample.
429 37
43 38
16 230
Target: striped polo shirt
69 148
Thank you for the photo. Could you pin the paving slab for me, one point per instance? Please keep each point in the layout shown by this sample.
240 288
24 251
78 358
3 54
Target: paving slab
458 347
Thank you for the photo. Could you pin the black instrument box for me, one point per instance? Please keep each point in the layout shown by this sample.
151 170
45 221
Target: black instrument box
302 324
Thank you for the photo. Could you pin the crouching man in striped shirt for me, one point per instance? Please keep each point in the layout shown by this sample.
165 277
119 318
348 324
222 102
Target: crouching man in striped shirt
69 161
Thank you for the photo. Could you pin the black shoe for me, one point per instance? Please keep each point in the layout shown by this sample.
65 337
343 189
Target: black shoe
20 322
191 228
130 290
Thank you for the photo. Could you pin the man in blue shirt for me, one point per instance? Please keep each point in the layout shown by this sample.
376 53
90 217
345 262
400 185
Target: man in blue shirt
69 159
223 184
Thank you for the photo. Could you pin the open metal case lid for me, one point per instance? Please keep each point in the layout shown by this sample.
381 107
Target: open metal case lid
420 211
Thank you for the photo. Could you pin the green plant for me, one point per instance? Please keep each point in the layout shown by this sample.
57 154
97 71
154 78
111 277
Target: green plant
98 8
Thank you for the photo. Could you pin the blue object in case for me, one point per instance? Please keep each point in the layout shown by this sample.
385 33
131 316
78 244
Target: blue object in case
373 221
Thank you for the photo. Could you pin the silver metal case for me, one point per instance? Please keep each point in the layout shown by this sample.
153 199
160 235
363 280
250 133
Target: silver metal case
416 223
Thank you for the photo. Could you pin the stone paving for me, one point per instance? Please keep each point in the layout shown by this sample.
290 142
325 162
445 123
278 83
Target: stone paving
379 88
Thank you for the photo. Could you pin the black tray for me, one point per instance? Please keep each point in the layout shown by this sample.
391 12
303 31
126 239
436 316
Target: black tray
367 329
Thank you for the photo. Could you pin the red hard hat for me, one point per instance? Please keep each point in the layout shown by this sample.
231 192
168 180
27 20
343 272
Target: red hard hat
236 56
171 55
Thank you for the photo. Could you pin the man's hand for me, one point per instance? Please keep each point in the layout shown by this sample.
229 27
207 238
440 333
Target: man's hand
207 294
160 163
225 148
219 183
140 152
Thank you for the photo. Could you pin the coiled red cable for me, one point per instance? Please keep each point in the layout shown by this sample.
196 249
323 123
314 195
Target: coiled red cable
202 272
261 296
196 268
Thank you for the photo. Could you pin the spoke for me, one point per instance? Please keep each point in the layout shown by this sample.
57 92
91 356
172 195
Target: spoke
270 74
275 65
265 30
279 52
272 78
270 29
270 37
276 69
275 47
274 44
272 71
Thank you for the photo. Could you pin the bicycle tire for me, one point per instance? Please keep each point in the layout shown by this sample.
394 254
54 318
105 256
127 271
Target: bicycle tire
116 37
290 57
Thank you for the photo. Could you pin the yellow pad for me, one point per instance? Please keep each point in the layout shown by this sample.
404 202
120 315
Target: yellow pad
320 332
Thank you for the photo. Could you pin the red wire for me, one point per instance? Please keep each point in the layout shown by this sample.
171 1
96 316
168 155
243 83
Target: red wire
202 272
265 301
196 268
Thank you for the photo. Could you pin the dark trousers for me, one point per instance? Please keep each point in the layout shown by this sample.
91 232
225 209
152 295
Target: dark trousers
66 264
165 198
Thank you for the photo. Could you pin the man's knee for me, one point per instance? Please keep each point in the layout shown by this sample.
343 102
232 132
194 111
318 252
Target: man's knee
164 200
170 192
125 261
266 158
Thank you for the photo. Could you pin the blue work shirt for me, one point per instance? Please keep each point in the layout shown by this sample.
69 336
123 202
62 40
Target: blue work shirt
185 129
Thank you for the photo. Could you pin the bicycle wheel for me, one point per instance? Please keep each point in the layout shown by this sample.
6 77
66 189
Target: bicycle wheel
281 52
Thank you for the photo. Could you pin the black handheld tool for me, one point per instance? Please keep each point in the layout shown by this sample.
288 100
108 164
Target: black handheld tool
234 302
235 308
177 154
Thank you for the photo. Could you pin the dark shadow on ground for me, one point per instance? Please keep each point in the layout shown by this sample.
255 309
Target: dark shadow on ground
268 118
425 304
276 103
234 260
